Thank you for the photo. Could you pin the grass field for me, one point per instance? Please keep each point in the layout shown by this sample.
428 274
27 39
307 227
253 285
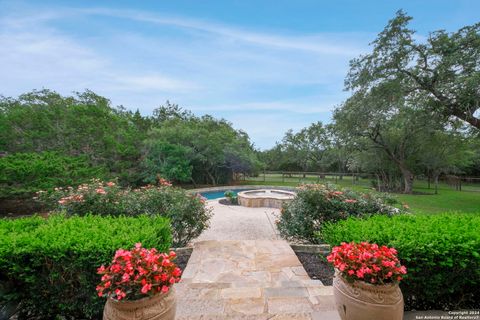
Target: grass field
447 199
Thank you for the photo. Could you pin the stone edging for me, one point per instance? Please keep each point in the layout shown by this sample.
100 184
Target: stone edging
239 187
323 249
182 250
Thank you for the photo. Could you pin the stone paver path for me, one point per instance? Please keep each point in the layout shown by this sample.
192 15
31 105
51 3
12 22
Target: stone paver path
240 223
250 279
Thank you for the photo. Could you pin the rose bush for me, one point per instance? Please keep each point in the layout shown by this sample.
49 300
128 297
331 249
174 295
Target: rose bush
187 213
138 273
367 262
317 204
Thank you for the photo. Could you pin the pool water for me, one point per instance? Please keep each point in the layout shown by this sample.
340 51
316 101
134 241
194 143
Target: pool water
212 195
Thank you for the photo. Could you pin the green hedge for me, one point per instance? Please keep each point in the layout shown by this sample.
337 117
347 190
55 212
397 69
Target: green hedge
441 253
50 264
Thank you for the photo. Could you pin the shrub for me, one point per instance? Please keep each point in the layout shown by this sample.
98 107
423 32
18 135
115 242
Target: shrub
441 253
316 204
22 174
231 196
51 264
187 213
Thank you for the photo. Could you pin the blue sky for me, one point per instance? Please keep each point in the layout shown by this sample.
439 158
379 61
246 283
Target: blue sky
266 66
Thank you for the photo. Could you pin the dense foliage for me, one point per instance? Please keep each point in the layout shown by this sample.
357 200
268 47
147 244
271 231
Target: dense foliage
22 174
136 149
441 253
50 265
201 150
186 212
317 204
83 124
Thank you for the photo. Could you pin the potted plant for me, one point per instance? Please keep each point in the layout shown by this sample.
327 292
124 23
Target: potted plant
366 281
231 197
138 284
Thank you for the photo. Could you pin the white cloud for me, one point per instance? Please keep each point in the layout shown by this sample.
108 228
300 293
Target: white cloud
312 43
201 65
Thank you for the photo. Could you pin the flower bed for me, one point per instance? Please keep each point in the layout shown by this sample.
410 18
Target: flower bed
441 253
50 265
187 213
316 204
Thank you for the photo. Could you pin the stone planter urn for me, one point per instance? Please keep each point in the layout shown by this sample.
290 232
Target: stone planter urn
161 306
363 301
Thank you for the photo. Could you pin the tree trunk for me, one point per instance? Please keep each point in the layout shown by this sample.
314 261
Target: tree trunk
408 179
435 179
212 178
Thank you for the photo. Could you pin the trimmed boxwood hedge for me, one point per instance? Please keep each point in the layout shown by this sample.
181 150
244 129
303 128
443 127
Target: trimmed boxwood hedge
49 265
441 253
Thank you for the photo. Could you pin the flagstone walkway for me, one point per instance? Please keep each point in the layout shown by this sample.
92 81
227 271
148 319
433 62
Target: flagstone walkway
250 279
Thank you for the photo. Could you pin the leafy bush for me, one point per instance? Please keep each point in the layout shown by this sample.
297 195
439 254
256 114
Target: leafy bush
51 264
316 204
22 174
231 196
187 213
441 253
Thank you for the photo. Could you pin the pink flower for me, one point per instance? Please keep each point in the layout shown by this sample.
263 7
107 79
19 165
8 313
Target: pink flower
360 273
110 184
165 289
125 277
350 201
100 191
146 288
120 294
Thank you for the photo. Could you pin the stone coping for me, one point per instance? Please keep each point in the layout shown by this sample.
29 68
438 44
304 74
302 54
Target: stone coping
239 187
276 194
323 249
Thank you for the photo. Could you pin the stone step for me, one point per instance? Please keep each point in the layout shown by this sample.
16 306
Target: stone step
250 280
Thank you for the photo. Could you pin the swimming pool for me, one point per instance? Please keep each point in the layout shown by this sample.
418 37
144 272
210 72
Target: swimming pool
212 195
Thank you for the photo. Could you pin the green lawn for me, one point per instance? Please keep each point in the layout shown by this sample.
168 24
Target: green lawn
447 198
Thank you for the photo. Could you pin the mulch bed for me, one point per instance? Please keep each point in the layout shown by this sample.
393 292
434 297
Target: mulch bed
317 267
182 260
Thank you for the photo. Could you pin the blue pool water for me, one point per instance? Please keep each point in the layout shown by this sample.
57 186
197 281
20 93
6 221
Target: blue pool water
211 195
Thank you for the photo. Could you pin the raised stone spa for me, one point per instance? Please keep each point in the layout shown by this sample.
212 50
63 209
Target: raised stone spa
264 198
